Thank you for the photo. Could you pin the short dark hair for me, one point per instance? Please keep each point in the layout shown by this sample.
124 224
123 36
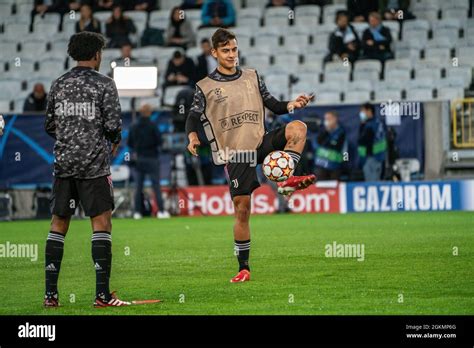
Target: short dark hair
84 45
341 13
205 40
368 106
222 37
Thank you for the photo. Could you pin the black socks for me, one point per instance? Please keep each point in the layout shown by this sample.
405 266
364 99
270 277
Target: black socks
242 251
102 257
53 257
295 155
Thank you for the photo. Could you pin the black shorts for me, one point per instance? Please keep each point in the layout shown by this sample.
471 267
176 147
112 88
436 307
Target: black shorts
95 196
243 176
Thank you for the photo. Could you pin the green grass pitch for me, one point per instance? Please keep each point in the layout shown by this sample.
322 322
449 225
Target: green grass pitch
187 262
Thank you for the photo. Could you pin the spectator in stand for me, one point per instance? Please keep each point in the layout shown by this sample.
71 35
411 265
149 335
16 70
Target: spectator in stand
180 70
126 57
40 7
332 144
87 21
192 4
180 32
372 144
343 42
218 13
376 39
144 5
359 10
36 101
394 10
118 28
206 63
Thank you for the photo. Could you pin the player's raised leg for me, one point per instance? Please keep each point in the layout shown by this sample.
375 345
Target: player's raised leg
295 133
53 257
242 237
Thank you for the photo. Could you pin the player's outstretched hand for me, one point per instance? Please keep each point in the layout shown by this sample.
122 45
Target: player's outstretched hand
193 144
300 102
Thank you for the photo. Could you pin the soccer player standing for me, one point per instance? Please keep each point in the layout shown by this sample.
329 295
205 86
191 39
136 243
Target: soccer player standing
229 103
83 116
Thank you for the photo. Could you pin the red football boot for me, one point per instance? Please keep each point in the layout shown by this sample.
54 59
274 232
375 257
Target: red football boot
113 302
242 276
286 188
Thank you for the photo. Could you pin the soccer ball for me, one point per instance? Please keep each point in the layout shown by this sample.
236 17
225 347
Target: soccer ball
278 166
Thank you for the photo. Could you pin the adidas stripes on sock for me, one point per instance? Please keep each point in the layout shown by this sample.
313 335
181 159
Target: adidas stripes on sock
53 257
102 257
242 251
295 155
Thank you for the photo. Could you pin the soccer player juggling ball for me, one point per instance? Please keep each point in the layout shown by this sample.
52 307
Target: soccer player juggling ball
229 103
83 116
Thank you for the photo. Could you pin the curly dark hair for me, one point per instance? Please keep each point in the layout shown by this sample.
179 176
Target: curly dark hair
84 45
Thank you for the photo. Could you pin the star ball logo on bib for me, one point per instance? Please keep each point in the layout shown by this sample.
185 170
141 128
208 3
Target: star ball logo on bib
219 91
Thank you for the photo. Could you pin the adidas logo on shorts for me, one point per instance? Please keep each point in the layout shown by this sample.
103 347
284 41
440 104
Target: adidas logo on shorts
97 267
50 267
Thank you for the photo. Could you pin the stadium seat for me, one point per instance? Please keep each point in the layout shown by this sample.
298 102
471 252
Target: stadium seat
361 85
16 30
336 66
249 12
307 23
307 11
18 104
326 97
339 76
277 16
422 82
167 4
461 73
255 3
440 42
419 94
459 4
5 106
428 72
205 33
450 93
288 62
451 33
458 13
310 66
277 85
52 18
329 12
9 89
355 97
451 82
466 56
330 86
192 14
414 38
397 74
148 53
51 67
45 29
370 75
159 19
387 94
440 53
427 13
9 48
257 61
249 22
171 93
368 65
415 24
32 49
400 63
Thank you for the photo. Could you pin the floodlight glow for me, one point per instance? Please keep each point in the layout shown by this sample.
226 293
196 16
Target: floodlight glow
138 77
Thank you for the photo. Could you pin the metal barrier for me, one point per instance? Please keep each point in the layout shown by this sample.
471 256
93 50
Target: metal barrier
462 115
